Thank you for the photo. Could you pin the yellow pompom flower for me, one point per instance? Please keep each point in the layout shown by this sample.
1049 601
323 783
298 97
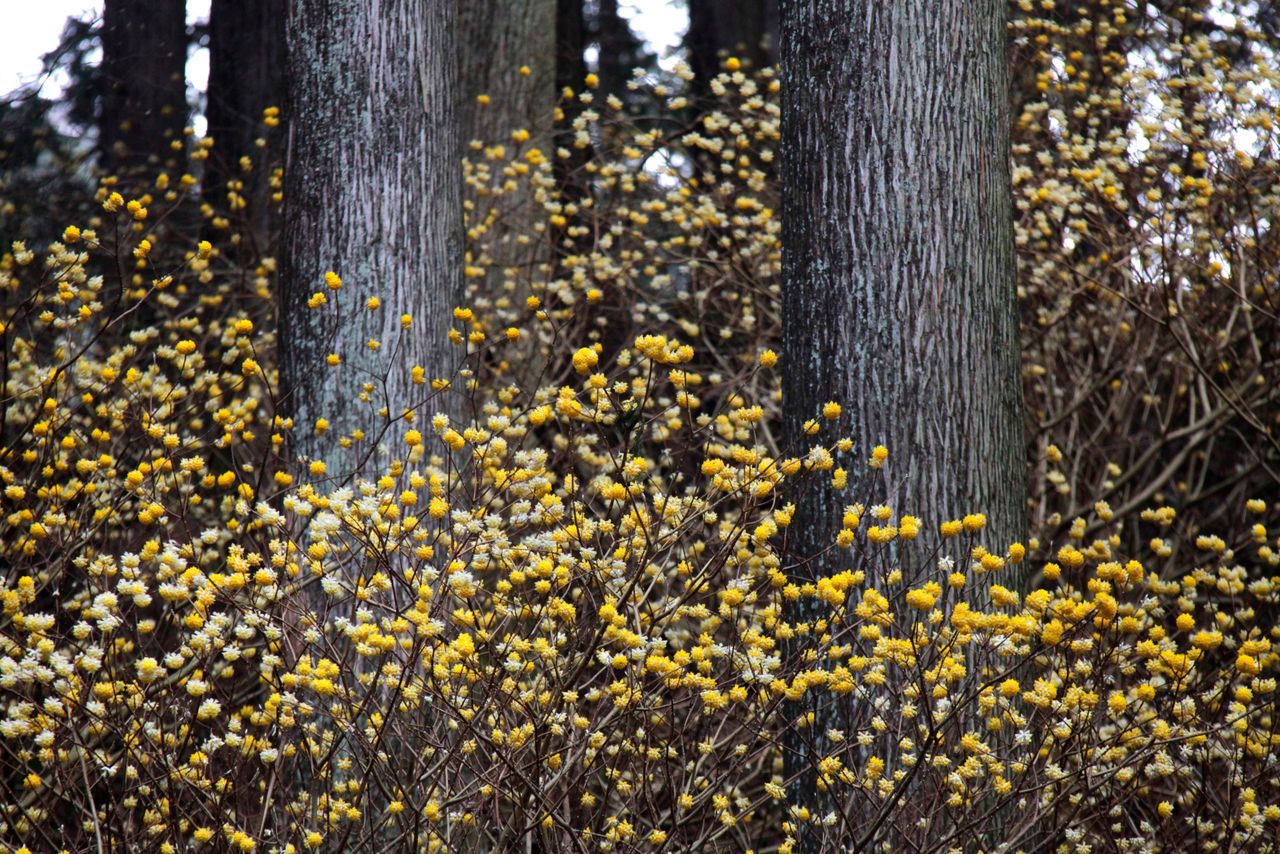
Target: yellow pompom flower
921 600
585 359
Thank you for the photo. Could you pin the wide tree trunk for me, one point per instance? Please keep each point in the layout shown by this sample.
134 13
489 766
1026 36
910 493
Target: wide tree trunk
899 293
246 76
745 29
508 52
144 94
373 193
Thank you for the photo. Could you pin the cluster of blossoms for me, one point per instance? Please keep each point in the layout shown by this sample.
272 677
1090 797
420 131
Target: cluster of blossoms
570 624
558 607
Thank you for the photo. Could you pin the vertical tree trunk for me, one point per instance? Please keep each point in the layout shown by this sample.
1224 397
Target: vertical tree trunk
746 29
508 52
246 75
571 44
571 72
619 51
496 41
373 193
899 294
144 99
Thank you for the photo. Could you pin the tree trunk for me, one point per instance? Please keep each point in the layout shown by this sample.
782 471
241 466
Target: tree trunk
572 184
571 73
571 45
899 293
508 53
746 29
144 98
619 52
373 193
246 75
497 40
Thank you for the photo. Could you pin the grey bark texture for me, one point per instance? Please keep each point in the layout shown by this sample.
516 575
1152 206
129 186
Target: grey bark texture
899 292
495 40
246 75
372 192
144 97
498 42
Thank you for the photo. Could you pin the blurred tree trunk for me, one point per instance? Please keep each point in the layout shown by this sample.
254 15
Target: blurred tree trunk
899 292
571 73
571 44
144 88
619 50
372 192
246 75
508 53
746 29
612 317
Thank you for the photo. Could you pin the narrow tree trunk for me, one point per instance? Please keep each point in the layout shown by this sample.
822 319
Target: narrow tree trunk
144 98
571 74
246 75
745 29
373 193
899 294
619 51
571 44
572 183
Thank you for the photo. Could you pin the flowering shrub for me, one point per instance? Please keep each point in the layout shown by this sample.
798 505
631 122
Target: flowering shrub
560 621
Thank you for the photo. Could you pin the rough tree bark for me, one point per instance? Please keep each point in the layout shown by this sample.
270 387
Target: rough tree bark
144 95
246 75
372 192
747 29
899 293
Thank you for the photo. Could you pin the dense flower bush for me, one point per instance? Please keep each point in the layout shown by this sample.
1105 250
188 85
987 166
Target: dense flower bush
557 621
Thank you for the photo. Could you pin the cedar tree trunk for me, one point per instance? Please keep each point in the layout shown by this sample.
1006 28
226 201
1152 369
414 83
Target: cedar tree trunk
144 98
899 293
373 193
246 75
746 29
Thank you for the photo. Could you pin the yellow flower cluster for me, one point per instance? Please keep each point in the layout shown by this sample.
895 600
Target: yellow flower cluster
572 613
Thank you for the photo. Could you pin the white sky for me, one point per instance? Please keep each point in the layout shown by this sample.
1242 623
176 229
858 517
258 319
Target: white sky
32 27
